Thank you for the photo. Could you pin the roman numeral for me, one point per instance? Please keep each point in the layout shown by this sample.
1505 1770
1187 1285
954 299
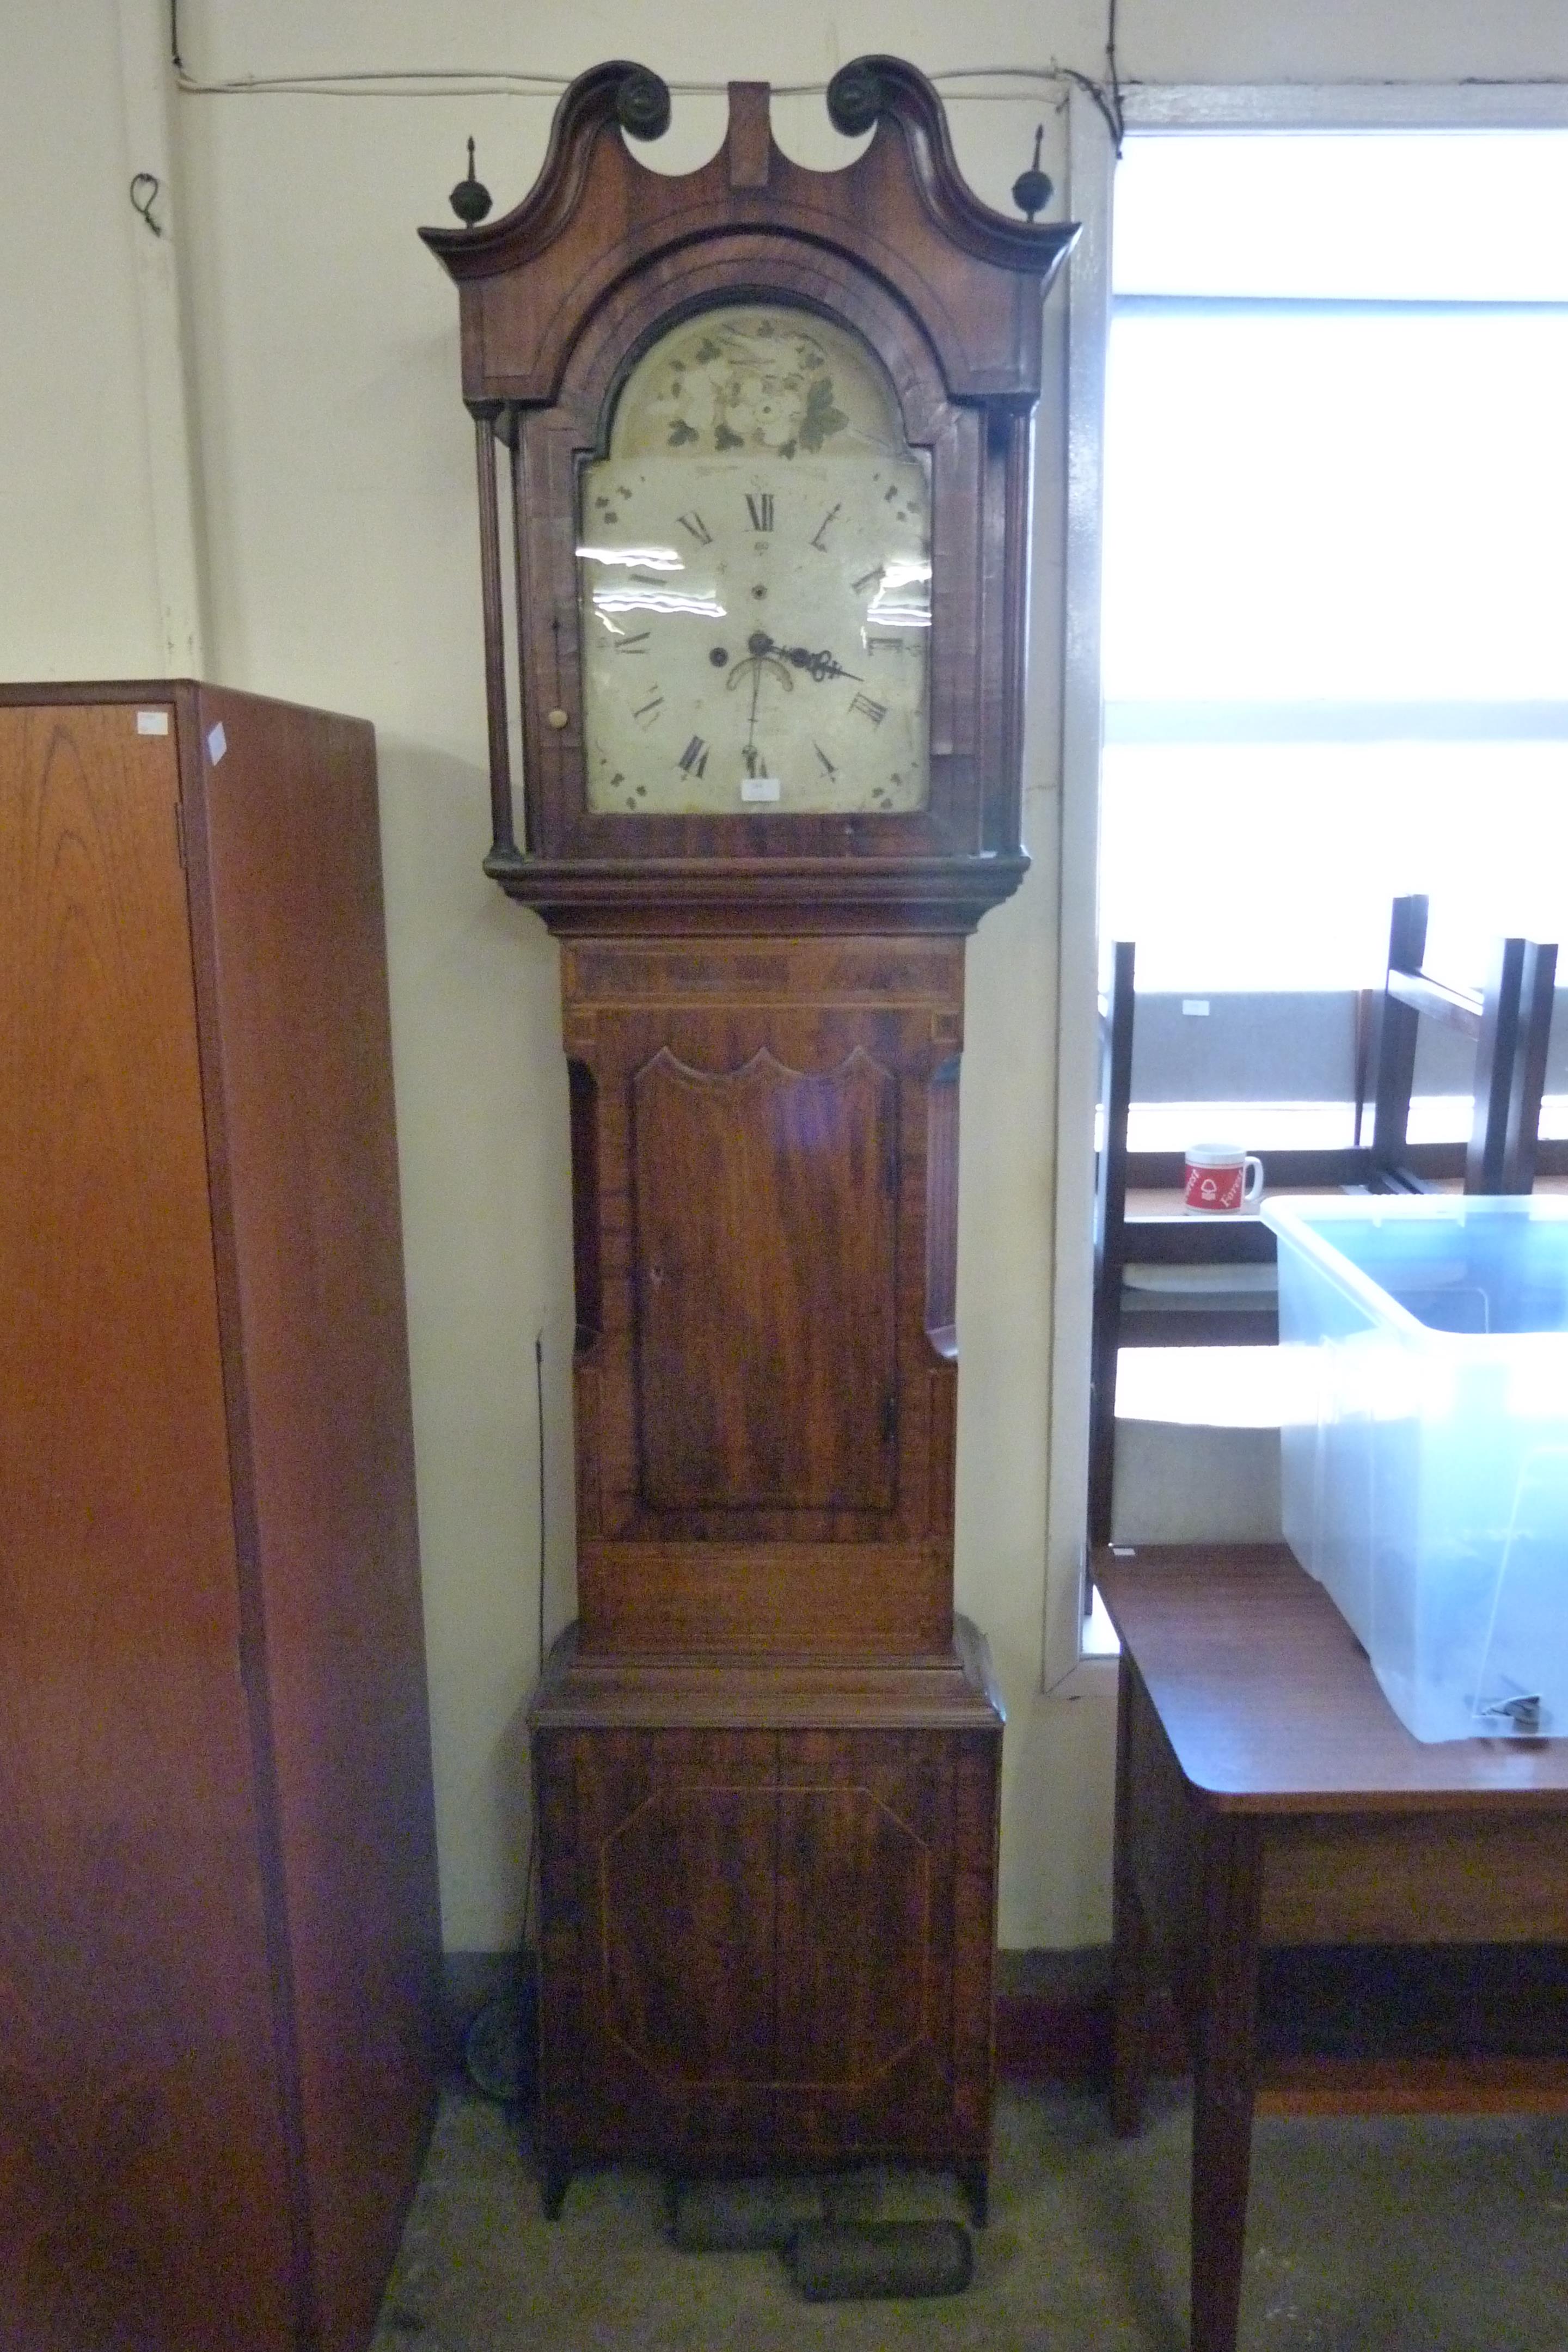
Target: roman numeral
875 711
650 711
760 506
826 762
694 523
866 578
637 644
694 759
817 538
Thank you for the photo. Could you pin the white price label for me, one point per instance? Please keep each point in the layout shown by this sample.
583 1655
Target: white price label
760 788
152 722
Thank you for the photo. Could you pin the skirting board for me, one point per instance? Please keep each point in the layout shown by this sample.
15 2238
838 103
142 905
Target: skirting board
1356 2029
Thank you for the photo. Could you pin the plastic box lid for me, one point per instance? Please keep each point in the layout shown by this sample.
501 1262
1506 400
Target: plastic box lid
1439 1266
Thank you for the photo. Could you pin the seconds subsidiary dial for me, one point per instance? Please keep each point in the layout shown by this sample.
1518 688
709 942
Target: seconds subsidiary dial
754 558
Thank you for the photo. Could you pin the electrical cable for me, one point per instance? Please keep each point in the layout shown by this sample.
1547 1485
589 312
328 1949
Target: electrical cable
424 81
533 1825
538 1394
453 81
420 82
501 2048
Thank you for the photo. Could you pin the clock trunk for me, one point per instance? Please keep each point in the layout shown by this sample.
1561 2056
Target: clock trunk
766 1187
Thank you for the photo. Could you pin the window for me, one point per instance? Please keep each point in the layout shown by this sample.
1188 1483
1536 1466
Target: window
1335 625
1415 202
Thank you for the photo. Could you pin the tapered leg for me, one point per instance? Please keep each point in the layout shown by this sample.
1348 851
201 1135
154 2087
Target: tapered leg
1225 2071
1130 1935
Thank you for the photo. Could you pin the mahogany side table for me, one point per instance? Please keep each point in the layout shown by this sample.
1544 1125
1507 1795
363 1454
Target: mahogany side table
1266 1794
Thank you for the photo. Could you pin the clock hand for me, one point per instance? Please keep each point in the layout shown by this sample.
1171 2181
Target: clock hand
750 752
822 666
818 667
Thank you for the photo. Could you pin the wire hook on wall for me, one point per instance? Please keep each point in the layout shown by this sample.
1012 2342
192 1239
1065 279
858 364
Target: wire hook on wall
144 203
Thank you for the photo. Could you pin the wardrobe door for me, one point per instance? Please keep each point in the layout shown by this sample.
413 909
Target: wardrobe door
146 2186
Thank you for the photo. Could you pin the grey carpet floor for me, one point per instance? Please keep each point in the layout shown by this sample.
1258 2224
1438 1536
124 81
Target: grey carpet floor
1392 2235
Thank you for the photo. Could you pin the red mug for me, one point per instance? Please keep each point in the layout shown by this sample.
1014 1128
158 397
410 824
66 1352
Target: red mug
1221 1178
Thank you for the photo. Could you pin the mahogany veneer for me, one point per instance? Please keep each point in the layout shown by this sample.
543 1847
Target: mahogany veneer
765 1198
768 1912
556 298
219 1931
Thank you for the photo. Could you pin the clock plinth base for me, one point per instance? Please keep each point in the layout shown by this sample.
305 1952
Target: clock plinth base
768 1912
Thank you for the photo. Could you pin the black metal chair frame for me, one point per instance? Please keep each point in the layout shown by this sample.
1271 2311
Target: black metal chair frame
1510 1022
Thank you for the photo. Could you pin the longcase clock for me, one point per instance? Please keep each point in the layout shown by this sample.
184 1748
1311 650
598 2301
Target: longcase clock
769 433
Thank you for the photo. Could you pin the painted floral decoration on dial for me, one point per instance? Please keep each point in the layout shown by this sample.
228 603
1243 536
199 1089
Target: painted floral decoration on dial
755 556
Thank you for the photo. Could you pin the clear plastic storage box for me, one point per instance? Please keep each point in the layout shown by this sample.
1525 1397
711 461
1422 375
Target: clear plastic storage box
1425 1454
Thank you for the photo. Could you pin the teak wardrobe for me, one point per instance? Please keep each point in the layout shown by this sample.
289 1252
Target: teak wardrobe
218 1927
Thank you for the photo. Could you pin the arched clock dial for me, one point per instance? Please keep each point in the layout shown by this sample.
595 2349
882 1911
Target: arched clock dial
754 560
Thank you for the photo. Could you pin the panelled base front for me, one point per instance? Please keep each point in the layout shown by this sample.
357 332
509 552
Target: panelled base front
768 1913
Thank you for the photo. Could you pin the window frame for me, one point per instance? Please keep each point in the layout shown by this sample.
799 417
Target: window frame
1069 1671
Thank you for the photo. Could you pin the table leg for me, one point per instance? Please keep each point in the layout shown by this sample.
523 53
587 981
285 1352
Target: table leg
1225 2071
1129 1935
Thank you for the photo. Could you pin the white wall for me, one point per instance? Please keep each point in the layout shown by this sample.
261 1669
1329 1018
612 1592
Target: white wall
338 548
78 592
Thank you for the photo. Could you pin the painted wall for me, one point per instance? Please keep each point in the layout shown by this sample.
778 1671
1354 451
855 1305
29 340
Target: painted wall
336 562
78 592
